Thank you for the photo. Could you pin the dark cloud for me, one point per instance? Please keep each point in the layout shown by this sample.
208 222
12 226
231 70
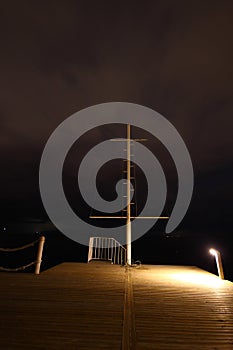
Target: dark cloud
58 57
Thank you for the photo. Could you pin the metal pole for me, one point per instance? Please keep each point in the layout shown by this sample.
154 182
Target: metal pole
219 265
39 255
128 221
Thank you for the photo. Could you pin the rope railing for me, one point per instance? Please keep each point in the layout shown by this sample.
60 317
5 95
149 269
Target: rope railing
17 268
37 262
19 248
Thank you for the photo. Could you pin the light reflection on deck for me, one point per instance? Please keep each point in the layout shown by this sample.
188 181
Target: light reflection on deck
81 306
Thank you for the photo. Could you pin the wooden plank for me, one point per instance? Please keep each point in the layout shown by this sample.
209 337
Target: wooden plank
128 332
72 306
98 305
182 308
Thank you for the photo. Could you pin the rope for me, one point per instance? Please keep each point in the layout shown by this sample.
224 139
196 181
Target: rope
17 268
137 264
19 248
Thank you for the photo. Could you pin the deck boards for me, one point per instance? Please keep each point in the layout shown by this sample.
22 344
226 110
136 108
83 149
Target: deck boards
182 308
84 306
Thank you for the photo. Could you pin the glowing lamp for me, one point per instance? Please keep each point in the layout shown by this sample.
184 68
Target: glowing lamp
218 260
213 251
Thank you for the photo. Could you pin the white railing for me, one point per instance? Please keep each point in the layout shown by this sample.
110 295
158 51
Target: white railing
103 248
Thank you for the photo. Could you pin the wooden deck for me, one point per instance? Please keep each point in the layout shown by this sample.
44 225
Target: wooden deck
102 306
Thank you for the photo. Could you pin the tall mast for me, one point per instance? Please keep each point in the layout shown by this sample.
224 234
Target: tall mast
128 216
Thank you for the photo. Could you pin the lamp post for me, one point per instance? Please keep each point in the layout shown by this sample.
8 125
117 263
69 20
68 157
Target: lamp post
218 260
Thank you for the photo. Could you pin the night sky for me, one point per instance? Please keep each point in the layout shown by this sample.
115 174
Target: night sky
58 57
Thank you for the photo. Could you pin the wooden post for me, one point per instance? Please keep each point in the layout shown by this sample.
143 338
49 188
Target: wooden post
39 255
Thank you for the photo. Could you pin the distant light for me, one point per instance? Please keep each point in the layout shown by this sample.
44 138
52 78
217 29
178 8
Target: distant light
4 228
213 251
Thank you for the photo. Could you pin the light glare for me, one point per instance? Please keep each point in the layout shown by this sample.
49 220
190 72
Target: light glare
213 251
198 279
